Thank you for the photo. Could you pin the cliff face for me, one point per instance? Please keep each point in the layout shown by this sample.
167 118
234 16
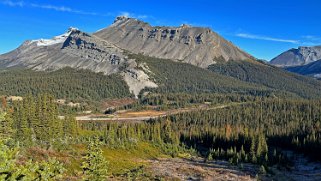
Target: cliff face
197 46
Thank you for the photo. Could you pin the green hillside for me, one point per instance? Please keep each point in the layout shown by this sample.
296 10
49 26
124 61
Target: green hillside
64 83
269 76
176 77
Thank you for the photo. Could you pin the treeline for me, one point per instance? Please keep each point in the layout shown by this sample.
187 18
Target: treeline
179 100
66 83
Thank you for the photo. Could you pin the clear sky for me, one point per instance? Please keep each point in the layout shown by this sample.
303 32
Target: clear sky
263 28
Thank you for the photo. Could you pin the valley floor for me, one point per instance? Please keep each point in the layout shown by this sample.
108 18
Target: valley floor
130 115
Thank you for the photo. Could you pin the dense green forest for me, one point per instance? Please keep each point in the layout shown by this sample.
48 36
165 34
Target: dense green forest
269 76
254 131
287 124
65 83
177 77
261 127
180 100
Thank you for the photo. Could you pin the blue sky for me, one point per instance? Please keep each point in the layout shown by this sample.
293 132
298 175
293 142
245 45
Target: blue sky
263 28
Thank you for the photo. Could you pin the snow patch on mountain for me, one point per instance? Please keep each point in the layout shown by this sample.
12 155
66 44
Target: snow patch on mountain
54 40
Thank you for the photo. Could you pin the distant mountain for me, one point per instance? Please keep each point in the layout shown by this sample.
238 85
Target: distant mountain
312 69
304 61
195 45
297 57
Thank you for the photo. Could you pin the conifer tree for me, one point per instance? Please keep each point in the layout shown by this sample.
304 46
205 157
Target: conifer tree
6 125
94 166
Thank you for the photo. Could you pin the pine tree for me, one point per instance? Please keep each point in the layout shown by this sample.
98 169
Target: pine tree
94 166
23 132
6 125
253 149
70 127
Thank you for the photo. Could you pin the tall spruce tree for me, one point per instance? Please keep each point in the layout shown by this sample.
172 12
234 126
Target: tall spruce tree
6 125
94 166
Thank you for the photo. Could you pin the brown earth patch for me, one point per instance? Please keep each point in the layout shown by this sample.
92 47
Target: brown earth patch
150 113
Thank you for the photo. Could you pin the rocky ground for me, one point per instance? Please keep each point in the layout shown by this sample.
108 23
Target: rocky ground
197 169
218 170
302 169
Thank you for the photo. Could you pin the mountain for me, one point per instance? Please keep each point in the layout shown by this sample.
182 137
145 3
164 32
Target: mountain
73 49
297 57
103 51
195 45
79 50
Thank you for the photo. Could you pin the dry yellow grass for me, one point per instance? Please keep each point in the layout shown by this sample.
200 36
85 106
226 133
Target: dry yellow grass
141 113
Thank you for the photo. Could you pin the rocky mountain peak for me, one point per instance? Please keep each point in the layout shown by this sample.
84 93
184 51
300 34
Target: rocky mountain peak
185 26
53 41
72 29
121 18
297 56
195 45
124 20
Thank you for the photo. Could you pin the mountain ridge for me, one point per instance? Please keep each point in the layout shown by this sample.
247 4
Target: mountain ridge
297 56
195 45
303 60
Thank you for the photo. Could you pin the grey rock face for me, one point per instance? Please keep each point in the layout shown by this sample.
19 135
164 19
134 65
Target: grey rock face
297 57
78 50
194 45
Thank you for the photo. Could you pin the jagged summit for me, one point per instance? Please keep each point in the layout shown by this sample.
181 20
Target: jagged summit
55 40
122 18
195 45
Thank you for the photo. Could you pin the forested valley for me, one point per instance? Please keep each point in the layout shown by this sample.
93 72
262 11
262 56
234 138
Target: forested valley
38 144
